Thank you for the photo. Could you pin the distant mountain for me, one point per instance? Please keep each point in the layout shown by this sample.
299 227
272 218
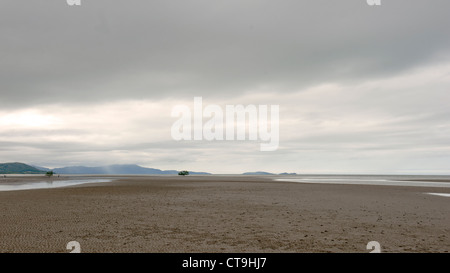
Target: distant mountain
288 173
266 173
18 168
115 169
41 168
258 173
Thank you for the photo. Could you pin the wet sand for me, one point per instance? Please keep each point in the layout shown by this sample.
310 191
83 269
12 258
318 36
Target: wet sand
224 214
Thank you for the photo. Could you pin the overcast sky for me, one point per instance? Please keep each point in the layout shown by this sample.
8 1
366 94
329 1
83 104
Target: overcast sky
361 89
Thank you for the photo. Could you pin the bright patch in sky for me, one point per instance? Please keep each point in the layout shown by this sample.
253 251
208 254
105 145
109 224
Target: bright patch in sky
28 118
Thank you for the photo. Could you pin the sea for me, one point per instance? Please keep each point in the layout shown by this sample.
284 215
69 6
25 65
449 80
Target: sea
47 183
429 181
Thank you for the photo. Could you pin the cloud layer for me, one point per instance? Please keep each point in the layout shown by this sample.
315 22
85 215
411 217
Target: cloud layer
360 88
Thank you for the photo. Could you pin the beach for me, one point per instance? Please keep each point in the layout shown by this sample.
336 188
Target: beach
161 214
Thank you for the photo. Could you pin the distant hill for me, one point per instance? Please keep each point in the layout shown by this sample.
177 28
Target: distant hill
258 173
18 168
266 173
288 173
41 168
116 169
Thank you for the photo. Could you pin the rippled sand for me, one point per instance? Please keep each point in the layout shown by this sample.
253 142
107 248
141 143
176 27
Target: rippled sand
224 214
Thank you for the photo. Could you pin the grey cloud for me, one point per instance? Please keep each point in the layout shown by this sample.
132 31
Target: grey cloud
110 50
159 50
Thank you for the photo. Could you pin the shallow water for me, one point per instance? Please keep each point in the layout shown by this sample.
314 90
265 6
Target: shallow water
381 180
439 194
49 184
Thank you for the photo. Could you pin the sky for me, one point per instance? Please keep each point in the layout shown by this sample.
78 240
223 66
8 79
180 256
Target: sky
360 88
